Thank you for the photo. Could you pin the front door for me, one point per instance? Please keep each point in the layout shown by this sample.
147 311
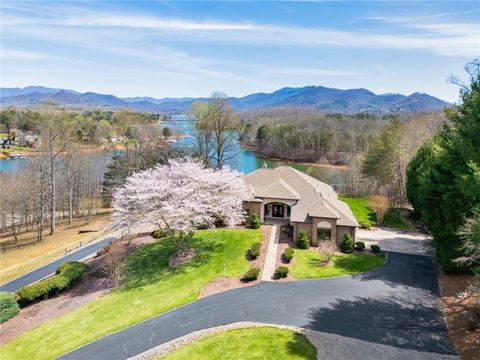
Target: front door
277 211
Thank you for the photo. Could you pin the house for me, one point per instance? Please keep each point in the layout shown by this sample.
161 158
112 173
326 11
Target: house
289 197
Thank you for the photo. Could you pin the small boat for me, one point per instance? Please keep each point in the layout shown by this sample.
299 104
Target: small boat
16 156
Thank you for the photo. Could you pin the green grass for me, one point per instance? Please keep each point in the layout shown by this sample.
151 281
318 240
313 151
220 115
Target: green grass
251 343
365 216
149 288
307 264
398 218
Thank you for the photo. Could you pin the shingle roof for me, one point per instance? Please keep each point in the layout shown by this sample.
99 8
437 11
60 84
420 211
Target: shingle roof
314 198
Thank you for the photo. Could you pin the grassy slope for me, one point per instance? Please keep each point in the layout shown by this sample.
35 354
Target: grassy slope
397 218
251 343
307 264
366 217
150 288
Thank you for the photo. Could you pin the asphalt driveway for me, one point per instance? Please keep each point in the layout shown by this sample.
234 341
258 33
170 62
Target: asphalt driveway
393 312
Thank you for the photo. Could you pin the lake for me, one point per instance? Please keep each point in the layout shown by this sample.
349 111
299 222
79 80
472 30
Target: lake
246 160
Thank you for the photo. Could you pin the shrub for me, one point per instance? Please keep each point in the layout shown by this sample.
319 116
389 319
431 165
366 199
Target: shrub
254 251
255 221
288 254
326 250
375 248
66 275
158 234
303 242
8 306
284 229
359 245
281 272
347 243
251 274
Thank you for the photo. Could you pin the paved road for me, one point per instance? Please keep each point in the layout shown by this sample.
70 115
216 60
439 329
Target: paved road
50 268
393 312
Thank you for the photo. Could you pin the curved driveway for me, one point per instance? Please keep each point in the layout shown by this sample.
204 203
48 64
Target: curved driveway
393 312
50 268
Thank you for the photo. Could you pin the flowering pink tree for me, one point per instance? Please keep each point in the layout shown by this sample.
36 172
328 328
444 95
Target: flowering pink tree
181 197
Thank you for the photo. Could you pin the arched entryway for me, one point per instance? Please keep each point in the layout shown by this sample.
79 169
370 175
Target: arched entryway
324 231
277 210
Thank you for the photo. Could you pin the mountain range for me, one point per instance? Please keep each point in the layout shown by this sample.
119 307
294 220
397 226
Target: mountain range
321 98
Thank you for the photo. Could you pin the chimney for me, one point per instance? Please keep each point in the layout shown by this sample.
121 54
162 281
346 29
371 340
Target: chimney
265 165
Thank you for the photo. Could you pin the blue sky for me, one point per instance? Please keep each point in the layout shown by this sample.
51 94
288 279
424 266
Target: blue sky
177 49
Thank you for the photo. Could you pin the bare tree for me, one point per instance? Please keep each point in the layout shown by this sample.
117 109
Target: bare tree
379 204
112 262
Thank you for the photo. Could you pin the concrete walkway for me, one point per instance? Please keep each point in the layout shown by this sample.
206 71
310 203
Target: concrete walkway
271 257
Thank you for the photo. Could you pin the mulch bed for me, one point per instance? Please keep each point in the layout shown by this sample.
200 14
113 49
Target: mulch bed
462 313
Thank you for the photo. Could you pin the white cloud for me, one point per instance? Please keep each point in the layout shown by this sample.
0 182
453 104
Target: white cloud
24 55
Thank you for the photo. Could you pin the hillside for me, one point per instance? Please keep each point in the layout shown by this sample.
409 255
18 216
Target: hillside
318 97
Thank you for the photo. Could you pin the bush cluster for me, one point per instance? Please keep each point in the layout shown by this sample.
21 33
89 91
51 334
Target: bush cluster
303 242
251 274
281 272
347 244
375 249
66 275
288 254
8 306
359 245
254 251
255 221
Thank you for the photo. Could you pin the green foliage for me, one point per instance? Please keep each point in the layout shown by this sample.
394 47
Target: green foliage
443 179
288 254
347 244
158 234
375 249
251 274
281 272
365 216
254 251
254 221
166 132
399 219
303 242
359 245
8 306
66 275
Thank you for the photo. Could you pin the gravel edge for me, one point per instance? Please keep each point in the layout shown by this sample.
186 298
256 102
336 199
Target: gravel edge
166 348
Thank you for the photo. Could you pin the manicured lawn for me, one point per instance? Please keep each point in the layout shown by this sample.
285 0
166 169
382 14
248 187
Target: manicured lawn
149 288
307 264
365 216
251 343
398 218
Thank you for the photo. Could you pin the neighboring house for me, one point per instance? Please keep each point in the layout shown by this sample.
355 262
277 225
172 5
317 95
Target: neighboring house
289 197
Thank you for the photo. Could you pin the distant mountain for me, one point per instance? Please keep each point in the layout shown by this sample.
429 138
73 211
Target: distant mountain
321 98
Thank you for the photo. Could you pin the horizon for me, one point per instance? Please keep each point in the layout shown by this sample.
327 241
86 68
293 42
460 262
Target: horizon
189 49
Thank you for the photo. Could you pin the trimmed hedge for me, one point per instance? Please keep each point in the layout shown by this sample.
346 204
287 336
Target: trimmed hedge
251 274
66 275
347 244
255 221
254 251
8 306
359 245
281 272
303 242
375 248
288 254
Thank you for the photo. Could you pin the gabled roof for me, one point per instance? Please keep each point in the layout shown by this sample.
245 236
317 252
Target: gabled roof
314 198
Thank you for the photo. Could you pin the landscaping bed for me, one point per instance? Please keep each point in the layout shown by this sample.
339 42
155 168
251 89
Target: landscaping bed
462 310
149 288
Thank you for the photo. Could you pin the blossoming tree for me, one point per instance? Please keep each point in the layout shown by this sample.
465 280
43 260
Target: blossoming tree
180 197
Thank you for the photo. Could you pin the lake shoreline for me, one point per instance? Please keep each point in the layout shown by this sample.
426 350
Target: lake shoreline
287 161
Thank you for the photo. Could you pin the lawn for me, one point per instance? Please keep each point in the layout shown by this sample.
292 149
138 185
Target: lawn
307 264
365 216
18 261
251 343
149 288
399 219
